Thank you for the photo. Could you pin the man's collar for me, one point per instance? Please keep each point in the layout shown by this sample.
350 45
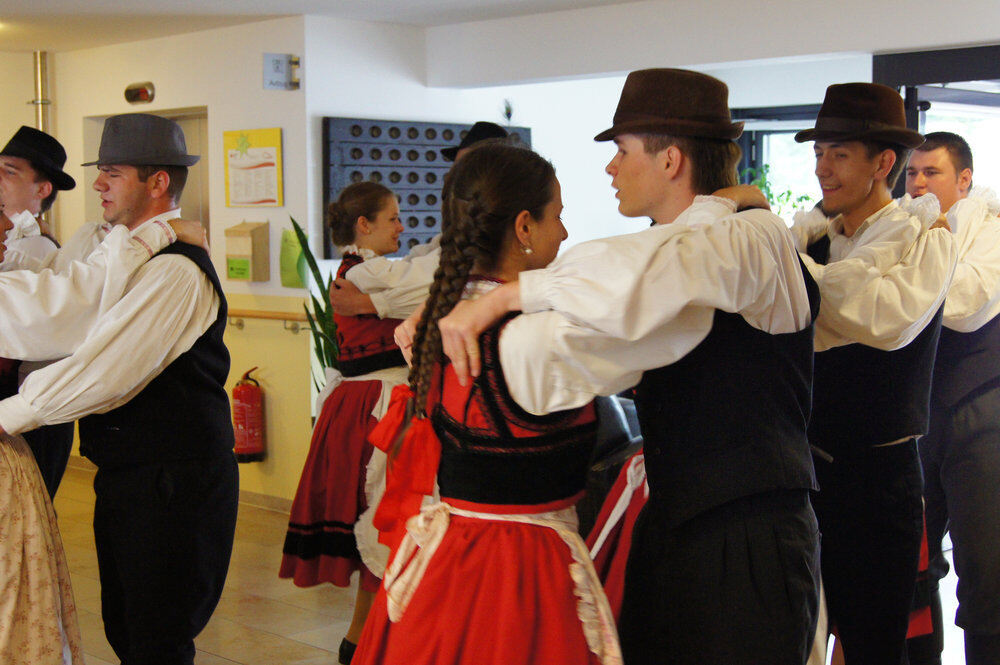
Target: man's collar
837 223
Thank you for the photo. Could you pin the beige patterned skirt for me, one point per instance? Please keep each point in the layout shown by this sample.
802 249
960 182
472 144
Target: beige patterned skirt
38 624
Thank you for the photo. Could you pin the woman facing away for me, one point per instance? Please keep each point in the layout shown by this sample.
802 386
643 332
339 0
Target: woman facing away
321 545
495 573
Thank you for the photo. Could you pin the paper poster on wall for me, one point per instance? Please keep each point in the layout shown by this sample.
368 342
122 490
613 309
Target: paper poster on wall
253 168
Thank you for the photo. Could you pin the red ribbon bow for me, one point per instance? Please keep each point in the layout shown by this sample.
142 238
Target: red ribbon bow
411 474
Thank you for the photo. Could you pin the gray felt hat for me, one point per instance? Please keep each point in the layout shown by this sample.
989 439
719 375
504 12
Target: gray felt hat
140 139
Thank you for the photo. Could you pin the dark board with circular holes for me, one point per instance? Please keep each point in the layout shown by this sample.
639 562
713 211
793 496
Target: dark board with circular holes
405 156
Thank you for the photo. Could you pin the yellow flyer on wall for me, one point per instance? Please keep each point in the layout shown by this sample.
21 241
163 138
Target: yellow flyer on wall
253 168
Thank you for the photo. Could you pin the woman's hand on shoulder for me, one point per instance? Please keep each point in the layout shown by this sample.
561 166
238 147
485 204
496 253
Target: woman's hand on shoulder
461 328
190 232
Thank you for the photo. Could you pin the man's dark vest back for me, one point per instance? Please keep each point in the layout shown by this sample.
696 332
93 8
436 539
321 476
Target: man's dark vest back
729 419
183 413
966 363
865 397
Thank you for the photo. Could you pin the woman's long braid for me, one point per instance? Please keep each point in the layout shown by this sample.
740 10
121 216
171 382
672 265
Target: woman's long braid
458 254
482 196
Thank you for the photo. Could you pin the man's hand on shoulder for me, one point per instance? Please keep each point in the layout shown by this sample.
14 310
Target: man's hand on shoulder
941 223
190 232
745 197
346 299
406 331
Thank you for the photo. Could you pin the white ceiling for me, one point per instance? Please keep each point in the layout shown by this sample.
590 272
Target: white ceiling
64 25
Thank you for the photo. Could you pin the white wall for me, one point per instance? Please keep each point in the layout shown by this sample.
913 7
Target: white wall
357 69
17 75
218 69
685 33
788 81
565 115
369 70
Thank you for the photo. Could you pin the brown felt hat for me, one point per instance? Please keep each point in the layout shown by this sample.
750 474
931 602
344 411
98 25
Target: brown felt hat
677 102
862 111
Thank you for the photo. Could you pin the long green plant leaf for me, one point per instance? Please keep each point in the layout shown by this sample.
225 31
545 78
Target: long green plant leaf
321 321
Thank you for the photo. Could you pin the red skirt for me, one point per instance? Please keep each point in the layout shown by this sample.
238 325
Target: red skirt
494 593
320 545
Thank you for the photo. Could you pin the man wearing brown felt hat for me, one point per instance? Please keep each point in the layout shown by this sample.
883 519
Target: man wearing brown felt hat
709 313
883 279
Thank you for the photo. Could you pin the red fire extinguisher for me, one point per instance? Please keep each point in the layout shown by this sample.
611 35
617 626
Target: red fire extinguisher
248 419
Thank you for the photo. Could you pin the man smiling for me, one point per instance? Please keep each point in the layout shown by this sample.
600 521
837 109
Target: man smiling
883 280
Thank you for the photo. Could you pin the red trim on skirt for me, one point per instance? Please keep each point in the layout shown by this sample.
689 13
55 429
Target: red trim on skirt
610 560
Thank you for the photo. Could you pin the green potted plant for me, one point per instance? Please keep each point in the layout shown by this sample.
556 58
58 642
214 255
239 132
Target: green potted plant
320 317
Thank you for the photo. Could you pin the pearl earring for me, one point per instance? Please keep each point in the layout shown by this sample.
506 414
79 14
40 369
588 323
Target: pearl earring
527 250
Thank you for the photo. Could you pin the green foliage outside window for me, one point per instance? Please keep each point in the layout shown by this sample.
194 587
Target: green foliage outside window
782 203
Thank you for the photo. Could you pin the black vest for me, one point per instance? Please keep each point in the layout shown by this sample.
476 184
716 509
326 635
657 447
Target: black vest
865 397
511 456
966 362
181 414
729 419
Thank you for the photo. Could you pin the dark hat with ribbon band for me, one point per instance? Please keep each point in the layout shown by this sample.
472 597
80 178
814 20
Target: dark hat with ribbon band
677 102
862 111
46 155
140 139
480 131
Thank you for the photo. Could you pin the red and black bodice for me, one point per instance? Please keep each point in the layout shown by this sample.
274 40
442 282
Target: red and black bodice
366 342
495 452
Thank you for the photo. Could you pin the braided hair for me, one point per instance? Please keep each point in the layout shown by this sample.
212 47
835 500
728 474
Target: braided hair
483 194
362 199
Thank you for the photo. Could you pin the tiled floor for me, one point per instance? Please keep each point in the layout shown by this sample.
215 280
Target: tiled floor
261 620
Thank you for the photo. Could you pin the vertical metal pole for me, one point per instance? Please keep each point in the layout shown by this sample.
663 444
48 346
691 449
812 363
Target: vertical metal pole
41 100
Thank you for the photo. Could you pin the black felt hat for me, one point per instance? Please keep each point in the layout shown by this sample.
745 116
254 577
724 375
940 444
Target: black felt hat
677 102
480 131
46 155
141 139
862 111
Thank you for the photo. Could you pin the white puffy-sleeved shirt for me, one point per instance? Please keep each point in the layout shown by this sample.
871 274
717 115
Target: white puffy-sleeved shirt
974 296
166 306
398 286
27 248
46 314
884 284
608 310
